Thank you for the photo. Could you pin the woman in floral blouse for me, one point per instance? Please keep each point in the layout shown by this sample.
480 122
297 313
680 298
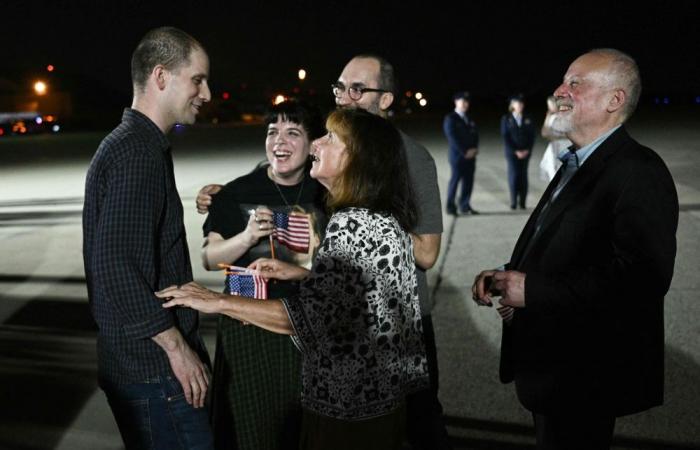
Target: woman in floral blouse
356 319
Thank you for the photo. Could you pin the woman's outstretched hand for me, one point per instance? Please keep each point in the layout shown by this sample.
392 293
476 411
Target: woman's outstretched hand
279 270
194 296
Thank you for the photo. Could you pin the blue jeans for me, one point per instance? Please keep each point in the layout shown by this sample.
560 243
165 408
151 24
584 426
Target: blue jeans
155 415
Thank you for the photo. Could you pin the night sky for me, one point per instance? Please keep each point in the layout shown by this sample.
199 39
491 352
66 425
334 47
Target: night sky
490 48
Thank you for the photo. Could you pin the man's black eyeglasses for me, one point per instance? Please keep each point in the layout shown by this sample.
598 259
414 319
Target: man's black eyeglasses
354 92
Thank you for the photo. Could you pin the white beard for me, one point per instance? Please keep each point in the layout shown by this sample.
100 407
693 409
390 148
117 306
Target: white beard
561 124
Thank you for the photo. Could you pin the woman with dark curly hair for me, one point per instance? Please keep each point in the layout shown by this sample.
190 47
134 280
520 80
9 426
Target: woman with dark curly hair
255 401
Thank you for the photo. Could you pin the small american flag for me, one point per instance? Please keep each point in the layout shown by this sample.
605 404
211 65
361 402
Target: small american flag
292 230
249 285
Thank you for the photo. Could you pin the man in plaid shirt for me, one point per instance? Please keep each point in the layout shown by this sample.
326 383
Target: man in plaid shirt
153 366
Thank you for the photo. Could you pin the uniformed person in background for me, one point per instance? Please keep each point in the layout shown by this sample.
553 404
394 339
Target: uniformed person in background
463 140
518 132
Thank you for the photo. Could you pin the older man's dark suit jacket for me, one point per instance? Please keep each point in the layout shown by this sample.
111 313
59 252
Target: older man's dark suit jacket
591 335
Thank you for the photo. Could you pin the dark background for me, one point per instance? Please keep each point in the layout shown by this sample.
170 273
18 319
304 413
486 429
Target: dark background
492 49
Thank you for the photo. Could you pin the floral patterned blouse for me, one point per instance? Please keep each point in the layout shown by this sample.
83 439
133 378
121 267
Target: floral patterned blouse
357 319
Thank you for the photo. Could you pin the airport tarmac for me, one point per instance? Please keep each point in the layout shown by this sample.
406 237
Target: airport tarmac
49 397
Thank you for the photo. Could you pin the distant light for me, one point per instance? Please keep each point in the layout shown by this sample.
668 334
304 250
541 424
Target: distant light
50 68
225 95
302 74
409 94
19 127
667 100
49 118
279 99
55 128
40 88
39 120
697 99
2 131
179 127
419 95
423 102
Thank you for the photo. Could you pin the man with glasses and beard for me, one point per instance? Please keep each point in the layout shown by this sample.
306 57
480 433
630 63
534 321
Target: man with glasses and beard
367 82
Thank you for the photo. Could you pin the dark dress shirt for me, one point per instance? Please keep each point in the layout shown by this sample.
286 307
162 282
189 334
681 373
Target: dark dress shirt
134 244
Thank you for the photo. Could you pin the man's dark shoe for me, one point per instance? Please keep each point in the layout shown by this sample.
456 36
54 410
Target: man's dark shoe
451 211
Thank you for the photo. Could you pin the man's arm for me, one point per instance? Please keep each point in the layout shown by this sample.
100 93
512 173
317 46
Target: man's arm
423 174
189 370
426 248
204 197
126 240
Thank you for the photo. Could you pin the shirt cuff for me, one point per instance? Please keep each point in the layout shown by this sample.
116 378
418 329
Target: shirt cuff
150 326
297 316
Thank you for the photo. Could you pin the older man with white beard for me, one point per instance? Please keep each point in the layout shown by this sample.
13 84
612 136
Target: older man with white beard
582 296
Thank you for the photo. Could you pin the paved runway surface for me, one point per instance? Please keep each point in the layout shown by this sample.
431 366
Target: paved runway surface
48 393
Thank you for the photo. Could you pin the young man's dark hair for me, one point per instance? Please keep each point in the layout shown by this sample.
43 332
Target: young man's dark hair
167 46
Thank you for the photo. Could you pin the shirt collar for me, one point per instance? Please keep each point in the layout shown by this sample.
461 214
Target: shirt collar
149 128
587 150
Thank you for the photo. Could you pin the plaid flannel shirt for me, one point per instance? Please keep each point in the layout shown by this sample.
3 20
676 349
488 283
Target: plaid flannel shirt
134 244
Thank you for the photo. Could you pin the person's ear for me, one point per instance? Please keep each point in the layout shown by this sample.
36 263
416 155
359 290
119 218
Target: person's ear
386 100
617 100
160 75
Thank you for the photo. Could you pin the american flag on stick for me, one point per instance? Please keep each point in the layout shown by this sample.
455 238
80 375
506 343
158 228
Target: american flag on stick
246 283
292 230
